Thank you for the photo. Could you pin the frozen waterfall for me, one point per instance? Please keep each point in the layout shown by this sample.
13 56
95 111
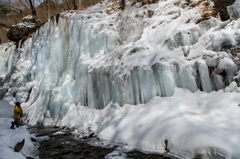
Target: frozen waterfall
79 60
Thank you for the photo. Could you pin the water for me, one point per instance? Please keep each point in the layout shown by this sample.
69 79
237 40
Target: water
52 145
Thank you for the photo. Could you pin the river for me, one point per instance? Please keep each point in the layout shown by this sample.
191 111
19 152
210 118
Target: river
57 143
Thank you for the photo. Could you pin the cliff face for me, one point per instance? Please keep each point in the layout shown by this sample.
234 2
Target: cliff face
15 15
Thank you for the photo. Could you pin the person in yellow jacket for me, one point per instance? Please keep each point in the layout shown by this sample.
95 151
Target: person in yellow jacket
18 114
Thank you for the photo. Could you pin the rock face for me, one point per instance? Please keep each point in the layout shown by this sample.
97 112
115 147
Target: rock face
23 28
220 6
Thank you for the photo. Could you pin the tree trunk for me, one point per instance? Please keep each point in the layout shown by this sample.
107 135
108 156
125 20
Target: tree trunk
34 14
80 4
75 6
48 9
9 2
122 4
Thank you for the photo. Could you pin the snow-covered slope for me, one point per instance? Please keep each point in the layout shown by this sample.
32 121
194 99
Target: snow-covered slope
9 138
103 56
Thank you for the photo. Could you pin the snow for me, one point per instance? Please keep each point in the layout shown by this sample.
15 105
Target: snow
24 24
193 123
133 79
28 17
10 137
234 10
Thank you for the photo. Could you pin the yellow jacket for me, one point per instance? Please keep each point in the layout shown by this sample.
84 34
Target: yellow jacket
18 113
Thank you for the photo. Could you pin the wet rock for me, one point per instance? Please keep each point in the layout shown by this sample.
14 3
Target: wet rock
67 147
33 140
53 153
19 146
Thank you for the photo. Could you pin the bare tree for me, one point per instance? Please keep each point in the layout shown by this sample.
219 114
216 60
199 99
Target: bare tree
80 3
14 8
34 14
46 4
122 4
29 5
48 9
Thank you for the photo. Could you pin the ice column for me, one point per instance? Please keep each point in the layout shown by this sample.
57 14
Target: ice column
204 77
165 78
185 77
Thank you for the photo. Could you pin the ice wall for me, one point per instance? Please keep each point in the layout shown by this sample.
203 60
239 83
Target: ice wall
234 10
91 60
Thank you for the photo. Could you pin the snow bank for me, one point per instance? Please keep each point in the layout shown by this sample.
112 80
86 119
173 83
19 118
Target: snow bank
10 137
194 124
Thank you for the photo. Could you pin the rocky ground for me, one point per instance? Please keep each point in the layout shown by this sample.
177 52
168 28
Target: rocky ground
64 145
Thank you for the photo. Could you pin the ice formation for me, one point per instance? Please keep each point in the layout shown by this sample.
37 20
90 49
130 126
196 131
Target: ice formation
92 58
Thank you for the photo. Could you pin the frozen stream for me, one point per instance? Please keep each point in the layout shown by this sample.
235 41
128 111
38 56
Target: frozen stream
52 144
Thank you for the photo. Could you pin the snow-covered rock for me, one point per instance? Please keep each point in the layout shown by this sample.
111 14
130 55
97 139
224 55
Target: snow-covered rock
24 27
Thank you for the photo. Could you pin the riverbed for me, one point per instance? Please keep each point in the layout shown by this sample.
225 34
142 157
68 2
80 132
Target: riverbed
58 143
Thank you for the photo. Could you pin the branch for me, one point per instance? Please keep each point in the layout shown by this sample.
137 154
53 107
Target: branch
9 5
27 7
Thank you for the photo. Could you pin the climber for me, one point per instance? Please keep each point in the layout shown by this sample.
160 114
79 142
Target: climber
18 113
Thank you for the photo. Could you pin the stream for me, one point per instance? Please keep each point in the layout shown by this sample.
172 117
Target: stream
57 143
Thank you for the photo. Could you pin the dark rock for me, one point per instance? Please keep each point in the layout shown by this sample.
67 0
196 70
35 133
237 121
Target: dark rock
17 32
23 28
198 157
33 140
67 147
135 50
19 146
53 153
150 13
220 6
